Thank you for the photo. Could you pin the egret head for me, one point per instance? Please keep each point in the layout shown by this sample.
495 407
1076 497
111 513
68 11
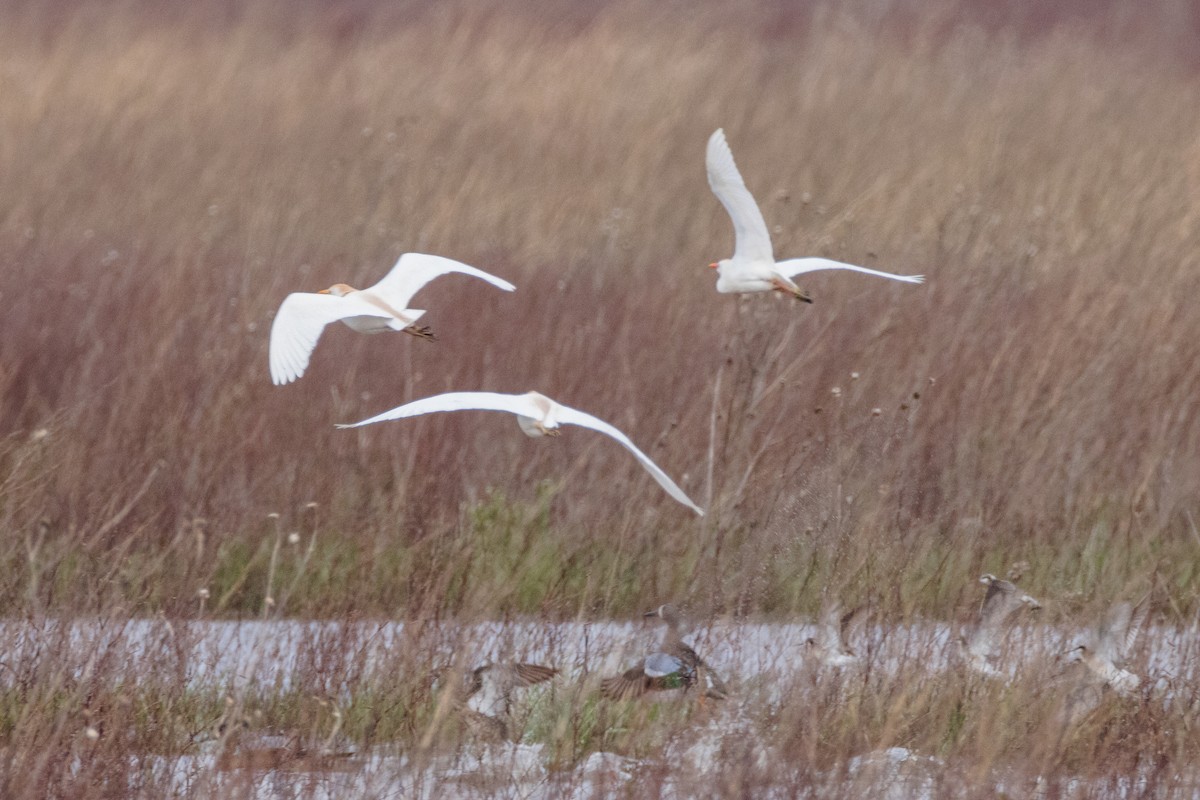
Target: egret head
338 290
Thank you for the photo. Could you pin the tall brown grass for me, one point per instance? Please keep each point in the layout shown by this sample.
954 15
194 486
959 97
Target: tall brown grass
168 175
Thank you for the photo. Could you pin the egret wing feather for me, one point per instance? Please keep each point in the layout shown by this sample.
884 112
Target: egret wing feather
413 270
298 325
570 416
798 266
520 405
751 240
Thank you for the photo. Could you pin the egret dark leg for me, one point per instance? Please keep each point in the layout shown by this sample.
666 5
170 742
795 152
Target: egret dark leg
421 332
794 291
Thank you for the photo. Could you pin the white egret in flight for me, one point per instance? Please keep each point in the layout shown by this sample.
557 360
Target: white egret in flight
537 415
379 308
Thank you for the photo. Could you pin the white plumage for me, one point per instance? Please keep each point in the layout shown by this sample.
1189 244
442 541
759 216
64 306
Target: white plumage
537 415
382 307
753 267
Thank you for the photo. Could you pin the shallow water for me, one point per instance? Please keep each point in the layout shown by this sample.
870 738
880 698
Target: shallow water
271 653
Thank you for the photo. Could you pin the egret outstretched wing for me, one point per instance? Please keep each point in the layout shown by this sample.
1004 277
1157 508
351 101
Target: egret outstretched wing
798 266
519 404
570 416
298 325
752 242
414 270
